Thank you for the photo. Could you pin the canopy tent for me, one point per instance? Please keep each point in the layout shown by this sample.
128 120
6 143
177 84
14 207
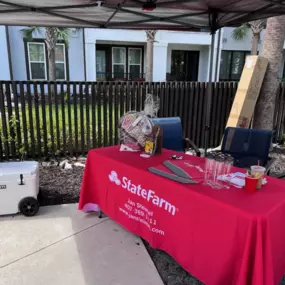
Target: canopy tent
138 14
189 15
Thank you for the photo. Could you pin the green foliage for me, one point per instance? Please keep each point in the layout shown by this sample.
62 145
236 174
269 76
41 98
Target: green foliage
64 34
61 33
240 32
62 126
28 32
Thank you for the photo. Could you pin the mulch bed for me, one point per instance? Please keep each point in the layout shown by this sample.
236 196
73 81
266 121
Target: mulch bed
60 186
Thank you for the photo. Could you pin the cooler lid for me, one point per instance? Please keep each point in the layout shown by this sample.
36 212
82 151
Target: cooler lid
23 167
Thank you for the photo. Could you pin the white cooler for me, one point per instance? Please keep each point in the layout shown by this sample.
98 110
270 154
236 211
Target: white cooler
19 188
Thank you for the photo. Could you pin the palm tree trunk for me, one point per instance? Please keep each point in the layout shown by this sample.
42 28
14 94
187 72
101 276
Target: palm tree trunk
272 50
149 54
51 44
254 44
51 64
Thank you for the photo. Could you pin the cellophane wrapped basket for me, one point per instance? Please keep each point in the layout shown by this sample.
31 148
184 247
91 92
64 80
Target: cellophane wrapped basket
134 127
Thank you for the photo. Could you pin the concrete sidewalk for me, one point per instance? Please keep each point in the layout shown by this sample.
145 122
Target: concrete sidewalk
62 246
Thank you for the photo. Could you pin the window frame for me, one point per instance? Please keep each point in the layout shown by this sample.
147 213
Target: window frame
128 60
42 41
125 63
245 54
108 48
29 60
65 67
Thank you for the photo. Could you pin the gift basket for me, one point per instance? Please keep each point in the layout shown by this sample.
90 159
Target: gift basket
137 131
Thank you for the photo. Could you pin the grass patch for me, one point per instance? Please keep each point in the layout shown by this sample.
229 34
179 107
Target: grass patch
60 128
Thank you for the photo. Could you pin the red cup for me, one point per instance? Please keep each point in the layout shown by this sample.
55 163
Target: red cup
250 184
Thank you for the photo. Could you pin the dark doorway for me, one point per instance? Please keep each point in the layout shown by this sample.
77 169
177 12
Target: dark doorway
184 65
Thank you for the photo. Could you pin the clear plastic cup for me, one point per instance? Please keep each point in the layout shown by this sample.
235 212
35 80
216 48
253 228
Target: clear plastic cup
258 171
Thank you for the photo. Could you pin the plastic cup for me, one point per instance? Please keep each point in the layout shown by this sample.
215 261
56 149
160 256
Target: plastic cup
258 171
250 184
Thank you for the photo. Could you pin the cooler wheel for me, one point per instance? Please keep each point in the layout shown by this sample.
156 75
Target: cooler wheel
29 206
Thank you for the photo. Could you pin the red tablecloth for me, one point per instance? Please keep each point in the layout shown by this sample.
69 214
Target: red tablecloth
222 237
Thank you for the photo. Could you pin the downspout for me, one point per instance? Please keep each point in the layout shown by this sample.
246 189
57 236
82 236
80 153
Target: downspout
9 52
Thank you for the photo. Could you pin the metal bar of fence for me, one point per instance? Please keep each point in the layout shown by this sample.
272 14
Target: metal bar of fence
4 135
62 101
68 99
87 123
219 109
31 120
93 94
185 111
195 117
110 111
17 117
127 90
24 118
11 121
191 110
203 98
116 112
199 113
99 98
58 143
133 95
75 121
105 110
166 100
81 116
43 128
38 128
121 97
50 109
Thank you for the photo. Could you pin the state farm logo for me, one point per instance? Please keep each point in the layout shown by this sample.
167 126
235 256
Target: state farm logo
113 176
146 194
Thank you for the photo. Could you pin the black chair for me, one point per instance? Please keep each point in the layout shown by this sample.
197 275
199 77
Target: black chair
172 135
248 147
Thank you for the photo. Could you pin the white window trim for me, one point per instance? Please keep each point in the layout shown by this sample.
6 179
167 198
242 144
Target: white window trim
65 69
45 63
118 63
129 64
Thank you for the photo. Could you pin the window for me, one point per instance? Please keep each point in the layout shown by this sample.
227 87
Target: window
37 57
135 63
232 63
60 62
118 62
37 61
100 65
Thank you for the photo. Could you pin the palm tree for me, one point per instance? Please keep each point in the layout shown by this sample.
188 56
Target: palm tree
256 27
150 34
272 50
51 36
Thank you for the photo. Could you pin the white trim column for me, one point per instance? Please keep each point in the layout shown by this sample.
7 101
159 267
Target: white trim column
159 61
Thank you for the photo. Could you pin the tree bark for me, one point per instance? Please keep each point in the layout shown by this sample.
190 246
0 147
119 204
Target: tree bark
254 44
50 40
149 54
272 50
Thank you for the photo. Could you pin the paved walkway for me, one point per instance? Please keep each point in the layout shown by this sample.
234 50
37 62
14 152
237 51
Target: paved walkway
62 246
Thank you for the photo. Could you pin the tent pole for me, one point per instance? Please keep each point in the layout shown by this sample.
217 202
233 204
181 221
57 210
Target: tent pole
209 96
217 56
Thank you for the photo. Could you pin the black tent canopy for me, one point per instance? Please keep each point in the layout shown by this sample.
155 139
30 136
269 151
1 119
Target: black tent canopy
188 15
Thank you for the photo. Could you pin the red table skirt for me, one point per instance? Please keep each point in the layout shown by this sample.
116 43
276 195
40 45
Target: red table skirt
222 237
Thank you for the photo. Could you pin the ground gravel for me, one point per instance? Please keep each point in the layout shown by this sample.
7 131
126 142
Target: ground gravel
59 186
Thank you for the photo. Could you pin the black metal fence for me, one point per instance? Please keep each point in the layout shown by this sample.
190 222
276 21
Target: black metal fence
39 118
